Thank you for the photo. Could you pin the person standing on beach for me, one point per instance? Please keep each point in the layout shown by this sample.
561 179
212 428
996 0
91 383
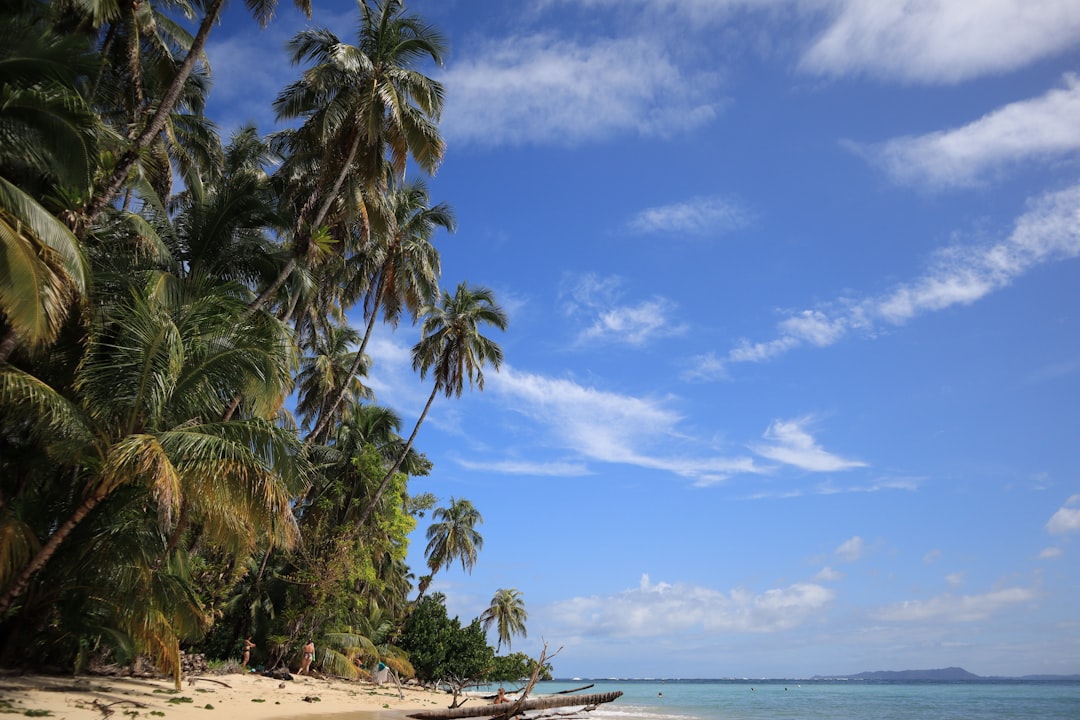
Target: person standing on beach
247 652
309 654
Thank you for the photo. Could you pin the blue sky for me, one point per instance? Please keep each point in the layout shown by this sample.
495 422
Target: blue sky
793 369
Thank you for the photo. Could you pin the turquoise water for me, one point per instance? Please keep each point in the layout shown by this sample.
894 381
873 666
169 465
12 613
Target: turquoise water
832 700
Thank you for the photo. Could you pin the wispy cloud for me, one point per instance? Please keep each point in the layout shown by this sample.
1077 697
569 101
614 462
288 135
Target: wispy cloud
696 216
851 549
542 89
524 467
959 275
941 42
791 444
1043 127
1067 519
661 609
612 428
956 608
611 321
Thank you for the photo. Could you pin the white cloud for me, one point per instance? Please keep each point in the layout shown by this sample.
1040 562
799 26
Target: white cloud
611 321
828 574
611 428
955 579
1048 232
851 549
548 90
1043 127
524 467
1051 553
634 324
705 367
941 41
697 216
663 609
1066 519
953 608
793 445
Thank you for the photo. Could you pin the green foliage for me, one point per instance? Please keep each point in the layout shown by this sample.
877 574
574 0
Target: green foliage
156 494
441 649
515 667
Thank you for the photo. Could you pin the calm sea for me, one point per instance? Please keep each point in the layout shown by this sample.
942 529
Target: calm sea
832 700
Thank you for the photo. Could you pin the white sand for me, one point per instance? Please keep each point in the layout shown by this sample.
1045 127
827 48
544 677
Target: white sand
247 696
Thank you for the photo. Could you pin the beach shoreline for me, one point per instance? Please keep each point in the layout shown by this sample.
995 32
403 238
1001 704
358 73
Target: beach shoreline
247 695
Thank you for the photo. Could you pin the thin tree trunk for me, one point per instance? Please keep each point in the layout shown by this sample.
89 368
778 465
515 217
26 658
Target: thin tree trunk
7 344
544 703
320 216
397 464
157 121
358 359
16 590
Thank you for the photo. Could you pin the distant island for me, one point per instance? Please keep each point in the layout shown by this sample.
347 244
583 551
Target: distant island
950 674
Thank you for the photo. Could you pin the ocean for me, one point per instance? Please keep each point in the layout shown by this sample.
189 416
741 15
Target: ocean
831 700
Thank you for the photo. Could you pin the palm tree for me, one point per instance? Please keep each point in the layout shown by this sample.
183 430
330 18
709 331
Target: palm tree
327 373
48 153
361 104
453 350
452 536
402 270
156 114
138 417
507 613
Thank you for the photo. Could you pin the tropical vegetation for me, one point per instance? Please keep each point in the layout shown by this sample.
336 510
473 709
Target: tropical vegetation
189 451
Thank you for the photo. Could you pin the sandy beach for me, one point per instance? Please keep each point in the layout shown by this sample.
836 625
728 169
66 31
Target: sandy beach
230 696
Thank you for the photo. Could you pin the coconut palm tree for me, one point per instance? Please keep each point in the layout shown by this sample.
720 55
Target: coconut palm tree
452 536
363 106
454 351
400 270
507 613
327 373
155 115
47 152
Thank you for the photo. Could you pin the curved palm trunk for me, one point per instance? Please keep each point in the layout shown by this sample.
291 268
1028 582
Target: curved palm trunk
157 121
316 221
7 344
46 552
358 359
397 464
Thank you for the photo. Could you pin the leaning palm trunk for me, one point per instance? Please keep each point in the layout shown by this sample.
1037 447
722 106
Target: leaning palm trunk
358 360
22 582
320 217
397 464
157 121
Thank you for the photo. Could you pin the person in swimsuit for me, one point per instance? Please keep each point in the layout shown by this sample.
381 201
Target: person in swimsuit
309 655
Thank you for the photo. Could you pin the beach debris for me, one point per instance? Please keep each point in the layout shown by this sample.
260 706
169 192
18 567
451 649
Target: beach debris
511 709
106 709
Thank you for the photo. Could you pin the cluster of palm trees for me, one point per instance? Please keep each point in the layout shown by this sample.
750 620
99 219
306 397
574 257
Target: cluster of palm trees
166 296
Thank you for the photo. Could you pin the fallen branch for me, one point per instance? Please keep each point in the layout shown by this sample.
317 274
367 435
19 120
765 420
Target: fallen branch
574 690
511 709
193 678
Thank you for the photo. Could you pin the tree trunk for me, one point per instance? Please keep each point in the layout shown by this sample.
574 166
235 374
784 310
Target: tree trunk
157 121
15 591
7 344
320 216
543 703
324 421
397 464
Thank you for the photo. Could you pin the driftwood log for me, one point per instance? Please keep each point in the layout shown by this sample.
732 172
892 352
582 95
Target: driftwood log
543 703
